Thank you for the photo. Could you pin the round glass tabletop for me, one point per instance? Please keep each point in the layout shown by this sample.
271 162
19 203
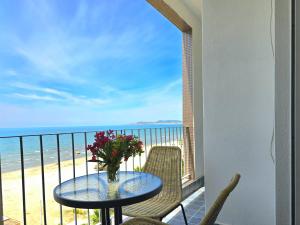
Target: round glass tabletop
93 191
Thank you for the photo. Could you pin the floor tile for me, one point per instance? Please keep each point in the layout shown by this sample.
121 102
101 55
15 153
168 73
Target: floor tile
194 209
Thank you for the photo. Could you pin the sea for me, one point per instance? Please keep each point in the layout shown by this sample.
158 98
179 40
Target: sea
49 143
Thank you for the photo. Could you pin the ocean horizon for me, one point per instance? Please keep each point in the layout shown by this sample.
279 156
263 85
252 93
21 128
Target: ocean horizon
10 141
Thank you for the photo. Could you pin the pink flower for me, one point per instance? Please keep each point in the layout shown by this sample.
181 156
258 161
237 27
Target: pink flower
140 144
92 148
105 139
99 134
129 137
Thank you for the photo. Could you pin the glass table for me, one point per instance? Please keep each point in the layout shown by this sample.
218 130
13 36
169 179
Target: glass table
94 192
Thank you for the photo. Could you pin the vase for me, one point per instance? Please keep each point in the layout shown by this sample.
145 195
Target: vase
113 173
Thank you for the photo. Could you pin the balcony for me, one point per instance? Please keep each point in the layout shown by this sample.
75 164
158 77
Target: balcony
238 98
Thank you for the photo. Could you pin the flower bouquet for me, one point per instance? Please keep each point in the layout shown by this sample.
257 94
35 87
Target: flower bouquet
110 149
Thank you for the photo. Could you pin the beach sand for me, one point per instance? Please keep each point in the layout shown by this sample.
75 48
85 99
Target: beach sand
12 191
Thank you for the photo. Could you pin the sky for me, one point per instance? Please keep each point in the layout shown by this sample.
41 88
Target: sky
89 62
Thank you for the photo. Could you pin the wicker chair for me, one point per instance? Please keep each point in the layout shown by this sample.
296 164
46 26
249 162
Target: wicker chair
214 210
211 215
143 221
165 162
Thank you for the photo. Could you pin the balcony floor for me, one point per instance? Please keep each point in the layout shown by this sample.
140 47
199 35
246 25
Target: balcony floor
194 207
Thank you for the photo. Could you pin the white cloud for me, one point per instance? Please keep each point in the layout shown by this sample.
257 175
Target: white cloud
57 55
11 72
146 96
34 97
57 95
75 115
158 103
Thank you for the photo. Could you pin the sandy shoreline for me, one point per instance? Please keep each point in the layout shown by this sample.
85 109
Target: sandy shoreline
12 190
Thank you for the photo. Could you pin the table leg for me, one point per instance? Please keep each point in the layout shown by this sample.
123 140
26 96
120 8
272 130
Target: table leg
118 215
103 217
107 216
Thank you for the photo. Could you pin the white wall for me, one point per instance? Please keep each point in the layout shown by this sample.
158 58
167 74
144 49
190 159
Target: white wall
238 82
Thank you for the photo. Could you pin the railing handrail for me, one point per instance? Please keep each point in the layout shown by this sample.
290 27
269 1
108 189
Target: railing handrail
82 132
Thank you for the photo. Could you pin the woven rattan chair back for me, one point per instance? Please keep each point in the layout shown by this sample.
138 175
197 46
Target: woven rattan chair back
165 162
213 212
143 221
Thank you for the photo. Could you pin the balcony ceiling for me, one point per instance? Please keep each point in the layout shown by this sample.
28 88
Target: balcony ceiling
195 6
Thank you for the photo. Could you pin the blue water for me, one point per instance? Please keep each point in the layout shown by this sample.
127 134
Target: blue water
10 145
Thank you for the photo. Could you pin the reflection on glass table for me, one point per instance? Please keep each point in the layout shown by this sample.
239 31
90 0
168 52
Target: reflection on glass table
94 192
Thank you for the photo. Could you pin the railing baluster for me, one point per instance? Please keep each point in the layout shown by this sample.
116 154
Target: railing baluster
23 180
165 136
126 169
140 160
86 157
150 137
156 136
183 141
86 169
169 137
132 156
161 141
173 135
43 179
74 171
59 174
177 136
73 155
180 135
145 143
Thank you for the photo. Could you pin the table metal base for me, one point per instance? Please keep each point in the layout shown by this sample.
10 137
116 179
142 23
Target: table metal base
105 216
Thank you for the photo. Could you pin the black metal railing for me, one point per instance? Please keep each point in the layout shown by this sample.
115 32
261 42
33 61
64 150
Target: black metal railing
61 151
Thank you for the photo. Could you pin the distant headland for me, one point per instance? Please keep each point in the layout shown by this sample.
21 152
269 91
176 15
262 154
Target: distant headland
160 122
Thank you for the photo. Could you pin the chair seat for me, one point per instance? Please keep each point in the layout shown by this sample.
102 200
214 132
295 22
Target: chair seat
155 208
143 221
